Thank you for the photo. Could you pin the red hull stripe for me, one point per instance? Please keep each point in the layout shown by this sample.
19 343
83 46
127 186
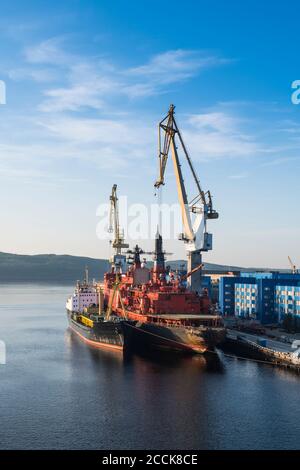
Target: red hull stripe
96 344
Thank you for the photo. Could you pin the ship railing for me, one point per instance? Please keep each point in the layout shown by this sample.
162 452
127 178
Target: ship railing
185 325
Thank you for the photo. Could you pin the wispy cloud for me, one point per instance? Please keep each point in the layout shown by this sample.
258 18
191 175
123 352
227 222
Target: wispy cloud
44 62
220 134
44 145
280 161
96 83
48 52
239 176
105 131
219 121
37 177
36 74
120 143
71 99
175 65
92 82
88 86
17 29
167 68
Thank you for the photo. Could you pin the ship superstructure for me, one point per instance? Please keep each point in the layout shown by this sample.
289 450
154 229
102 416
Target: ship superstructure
87 319
86 294
162 311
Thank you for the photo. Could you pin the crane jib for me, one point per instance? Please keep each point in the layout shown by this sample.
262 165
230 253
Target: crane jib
201 205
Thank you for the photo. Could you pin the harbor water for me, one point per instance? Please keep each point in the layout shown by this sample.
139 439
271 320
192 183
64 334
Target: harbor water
58 393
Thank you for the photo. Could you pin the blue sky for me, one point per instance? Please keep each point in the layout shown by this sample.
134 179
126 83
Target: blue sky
87 83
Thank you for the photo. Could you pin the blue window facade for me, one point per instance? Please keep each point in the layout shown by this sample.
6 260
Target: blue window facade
287 300
263 296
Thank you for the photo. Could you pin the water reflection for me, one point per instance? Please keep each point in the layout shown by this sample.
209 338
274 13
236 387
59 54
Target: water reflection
209 362
65 394
199 363
80 351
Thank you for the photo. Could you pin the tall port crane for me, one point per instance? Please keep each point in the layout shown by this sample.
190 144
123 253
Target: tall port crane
118 242
293 266
195 234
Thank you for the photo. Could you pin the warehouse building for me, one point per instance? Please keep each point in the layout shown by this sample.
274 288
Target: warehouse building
264 296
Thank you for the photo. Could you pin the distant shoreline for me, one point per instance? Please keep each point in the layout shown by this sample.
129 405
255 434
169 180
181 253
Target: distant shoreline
49 268
37 282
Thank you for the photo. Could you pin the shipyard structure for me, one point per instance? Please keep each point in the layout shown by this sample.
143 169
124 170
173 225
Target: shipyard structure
269 297
140 307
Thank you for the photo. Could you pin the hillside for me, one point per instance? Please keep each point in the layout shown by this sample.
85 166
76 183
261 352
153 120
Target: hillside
49 267
55 268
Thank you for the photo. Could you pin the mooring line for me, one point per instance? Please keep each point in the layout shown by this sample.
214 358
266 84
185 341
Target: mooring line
233 356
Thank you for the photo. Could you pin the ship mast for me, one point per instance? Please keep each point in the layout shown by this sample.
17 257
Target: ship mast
159 270
86 275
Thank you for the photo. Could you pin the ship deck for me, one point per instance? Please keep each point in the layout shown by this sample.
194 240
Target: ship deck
179 316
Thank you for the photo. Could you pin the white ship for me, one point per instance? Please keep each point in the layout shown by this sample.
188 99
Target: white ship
87 318
86 296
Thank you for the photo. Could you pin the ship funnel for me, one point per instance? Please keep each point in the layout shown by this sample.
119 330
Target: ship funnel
159 257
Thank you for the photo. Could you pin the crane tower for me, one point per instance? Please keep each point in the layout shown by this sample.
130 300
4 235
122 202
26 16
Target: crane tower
196 211
118 260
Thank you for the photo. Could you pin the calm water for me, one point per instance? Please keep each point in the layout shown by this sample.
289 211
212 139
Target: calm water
56 392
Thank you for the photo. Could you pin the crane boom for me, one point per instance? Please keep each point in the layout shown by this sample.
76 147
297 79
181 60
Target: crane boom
190 273
182 196
201 204
293 266
114 225
170 128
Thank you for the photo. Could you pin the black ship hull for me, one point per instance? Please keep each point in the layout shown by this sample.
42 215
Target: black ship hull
144 336
103 334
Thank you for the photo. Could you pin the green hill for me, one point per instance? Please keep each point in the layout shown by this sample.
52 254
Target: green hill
56 268
49 267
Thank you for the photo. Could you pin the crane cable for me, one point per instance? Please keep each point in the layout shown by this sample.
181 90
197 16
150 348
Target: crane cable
159 195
